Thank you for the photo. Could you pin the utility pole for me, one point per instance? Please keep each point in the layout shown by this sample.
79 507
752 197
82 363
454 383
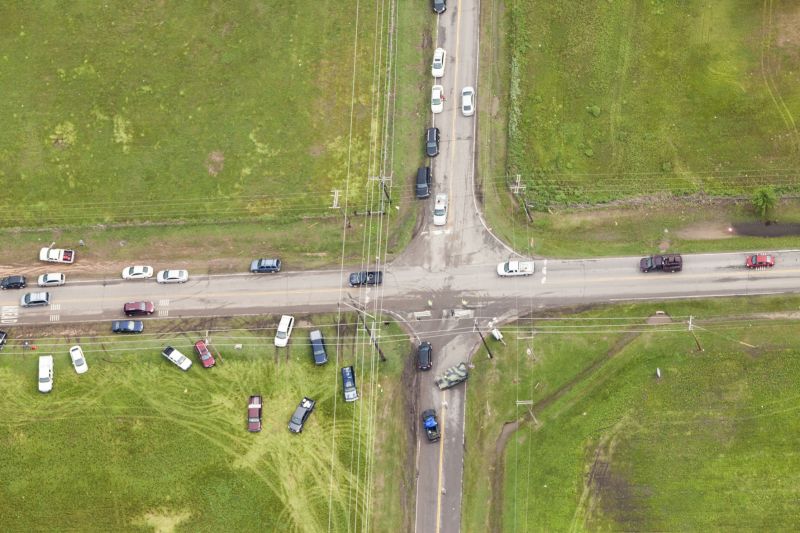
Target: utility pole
363 320
517 188
383 180
691 330
485 345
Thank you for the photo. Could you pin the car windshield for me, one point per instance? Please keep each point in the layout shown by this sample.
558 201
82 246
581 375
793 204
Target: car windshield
44 380
253 419
436 100
79 361
281 335
438 212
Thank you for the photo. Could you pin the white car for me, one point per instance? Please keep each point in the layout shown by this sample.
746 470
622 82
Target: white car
437 67
172 276
437 99
468 101
78 360
53 279
440 210
177 358
138 272
284 331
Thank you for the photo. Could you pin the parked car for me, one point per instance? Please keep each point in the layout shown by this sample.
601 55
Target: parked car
206 359
137 272
424 179
301 414
437 67
54 279
34 299
467 101
440 210
284 331
138 308
318 347
265 266
45 373
432 142
3 339
78 360
664 263
254 407
127 326
172 276
13 282
177 358
437 99
439 6
349 384
364 277
759 261
424 356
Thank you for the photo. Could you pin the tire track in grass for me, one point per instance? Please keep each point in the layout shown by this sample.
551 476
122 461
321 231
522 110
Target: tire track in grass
766 74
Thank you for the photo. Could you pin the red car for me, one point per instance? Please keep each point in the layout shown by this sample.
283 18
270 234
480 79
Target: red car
138 308
206 358
760 261
254 414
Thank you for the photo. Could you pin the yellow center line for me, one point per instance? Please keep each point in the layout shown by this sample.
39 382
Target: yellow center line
441 464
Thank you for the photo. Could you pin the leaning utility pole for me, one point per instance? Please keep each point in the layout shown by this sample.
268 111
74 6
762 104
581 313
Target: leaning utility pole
476 328
691 330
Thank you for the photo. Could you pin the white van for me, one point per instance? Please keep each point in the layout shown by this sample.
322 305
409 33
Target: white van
284 331
45 373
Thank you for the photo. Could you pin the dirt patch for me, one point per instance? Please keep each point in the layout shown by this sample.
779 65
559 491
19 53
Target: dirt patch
215 162
317 150
163 521
787 28
705 231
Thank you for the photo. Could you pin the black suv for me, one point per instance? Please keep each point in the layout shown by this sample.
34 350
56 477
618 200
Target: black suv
14 282
439 6
425 356
268 266
366 278
423 182
3 339
432 142
301 414
318 347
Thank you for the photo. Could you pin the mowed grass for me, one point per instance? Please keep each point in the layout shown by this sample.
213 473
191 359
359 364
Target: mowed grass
712 445
136 444
160 111
618 99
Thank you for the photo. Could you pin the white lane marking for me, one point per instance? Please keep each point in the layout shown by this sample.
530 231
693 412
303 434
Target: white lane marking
54 318
55 307
163 303
163 312
9 314
544 272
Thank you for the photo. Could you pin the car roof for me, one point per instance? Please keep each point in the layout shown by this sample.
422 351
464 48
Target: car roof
284 323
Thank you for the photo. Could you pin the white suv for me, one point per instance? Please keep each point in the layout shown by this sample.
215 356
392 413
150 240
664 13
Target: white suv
284 331
176 357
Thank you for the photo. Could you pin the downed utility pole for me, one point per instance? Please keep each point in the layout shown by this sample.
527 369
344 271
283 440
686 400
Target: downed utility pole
476 328
359 312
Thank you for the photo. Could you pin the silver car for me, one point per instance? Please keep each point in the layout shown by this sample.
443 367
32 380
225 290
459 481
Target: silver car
172 276
468 101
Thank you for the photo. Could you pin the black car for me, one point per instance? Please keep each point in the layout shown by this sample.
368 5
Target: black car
301 414
318 347
265 266
439 6
3 339
424 356
127 326
423 182
432 142
14 282
366 278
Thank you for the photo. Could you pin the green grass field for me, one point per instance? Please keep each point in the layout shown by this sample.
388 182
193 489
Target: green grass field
135 444
149 112
712 445
618 99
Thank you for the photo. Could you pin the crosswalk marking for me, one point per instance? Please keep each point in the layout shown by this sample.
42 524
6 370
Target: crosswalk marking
163 303
55 307
55 318
163 312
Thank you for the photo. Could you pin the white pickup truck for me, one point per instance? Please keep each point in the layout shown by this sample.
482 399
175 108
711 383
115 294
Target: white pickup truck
515 268
57 255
